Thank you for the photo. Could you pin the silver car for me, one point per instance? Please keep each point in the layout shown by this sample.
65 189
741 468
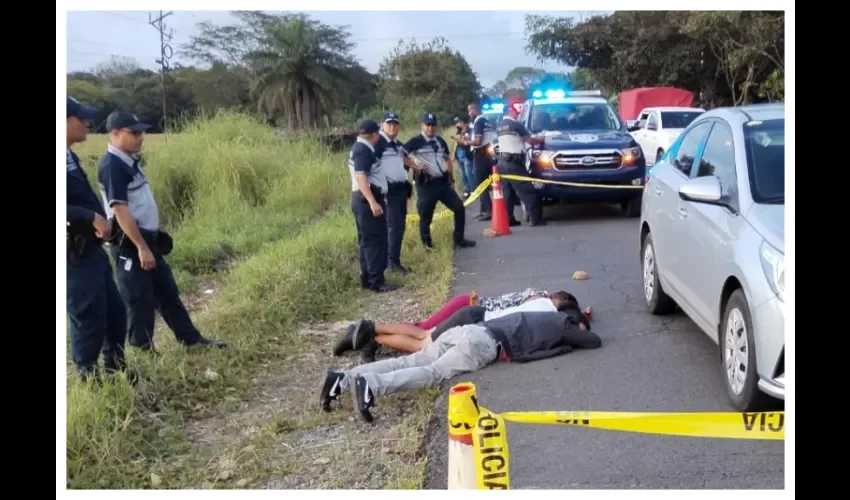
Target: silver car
712 239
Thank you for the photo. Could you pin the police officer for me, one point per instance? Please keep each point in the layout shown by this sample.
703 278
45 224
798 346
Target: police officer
369 204
482 137
95 308
391 156
139 245
433 177
512 134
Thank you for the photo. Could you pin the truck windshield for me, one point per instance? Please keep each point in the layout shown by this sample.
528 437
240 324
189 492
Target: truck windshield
678 119
764 142
573 117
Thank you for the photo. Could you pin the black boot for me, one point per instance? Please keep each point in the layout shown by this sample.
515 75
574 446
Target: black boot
364 331
369 350
345 342
464 243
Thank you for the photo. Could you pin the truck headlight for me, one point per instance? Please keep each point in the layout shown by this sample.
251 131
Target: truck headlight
773 264
629 155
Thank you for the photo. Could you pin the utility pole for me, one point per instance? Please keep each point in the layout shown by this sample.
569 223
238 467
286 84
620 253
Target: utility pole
165 52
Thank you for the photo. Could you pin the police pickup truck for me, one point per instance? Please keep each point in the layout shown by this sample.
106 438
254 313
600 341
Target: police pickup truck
586 142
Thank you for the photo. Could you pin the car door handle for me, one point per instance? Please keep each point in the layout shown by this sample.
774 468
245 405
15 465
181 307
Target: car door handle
683 212
657 190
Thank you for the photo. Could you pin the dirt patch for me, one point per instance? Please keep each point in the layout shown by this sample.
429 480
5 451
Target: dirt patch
279 438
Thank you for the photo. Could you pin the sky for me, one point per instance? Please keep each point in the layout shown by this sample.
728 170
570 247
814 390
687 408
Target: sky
493 43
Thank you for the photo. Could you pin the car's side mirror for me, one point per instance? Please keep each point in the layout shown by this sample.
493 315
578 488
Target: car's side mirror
651 126
702 190
632 125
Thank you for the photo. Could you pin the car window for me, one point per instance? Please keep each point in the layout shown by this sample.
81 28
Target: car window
678 119
653 120
718 159
523 116
687 151
643 118
574 117
765 147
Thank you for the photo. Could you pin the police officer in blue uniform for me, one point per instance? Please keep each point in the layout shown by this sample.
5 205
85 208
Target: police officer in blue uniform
139 245
482 137
95 308
392 159
512 139
369 205
433 177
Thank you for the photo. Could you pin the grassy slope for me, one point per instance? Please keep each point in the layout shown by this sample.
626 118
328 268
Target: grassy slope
263 223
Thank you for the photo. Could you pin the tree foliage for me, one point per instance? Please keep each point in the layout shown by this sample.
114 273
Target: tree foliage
432 72
724 57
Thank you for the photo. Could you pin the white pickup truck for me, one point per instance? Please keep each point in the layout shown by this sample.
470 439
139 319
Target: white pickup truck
657 128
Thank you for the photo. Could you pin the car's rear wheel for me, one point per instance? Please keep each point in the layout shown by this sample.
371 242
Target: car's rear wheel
657 301
737 342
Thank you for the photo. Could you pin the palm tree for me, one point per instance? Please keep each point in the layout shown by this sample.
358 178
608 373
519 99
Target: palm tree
300 65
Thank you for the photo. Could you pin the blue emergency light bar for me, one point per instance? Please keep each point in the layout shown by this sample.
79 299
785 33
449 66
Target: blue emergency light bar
561 94
496 107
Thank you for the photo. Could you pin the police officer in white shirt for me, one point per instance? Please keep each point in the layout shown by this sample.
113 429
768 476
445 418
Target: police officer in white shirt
482 137
433 176
512 139
369 204
391 155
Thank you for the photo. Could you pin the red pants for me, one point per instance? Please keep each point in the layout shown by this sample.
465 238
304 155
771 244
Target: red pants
455 304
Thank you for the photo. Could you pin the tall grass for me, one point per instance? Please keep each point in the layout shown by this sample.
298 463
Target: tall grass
270 215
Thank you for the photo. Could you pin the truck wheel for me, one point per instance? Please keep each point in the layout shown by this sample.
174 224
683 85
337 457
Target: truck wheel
631 207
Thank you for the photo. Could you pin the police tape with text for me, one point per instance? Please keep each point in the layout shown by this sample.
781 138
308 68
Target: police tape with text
488 437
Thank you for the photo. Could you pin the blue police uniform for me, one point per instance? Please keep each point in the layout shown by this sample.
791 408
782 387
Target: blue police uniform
95 309
512 162
434 184
482 163
390 154
123 181
372 231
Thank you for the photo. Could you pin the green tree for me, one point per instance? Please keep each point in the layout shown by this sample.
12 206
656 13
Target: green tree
432 74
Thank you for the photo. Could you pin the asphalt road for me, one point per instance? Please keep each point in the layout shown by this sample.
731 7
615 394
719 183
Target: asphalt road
646 363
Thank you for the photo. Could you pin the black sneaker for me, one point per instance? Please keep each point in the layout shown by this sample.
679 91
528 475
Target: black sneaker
464 244
386 287
331 389
399 269
345 341
514 223
485 217
369 350
364 399
538 223
363 332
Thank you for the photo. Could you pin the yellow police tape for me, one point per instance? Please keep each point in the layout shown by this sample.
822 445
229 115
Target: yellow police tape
521 178
489 434
490 443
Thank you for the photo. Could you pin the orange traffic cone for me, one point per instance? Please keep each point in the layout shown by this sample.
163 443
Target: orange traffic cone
499 224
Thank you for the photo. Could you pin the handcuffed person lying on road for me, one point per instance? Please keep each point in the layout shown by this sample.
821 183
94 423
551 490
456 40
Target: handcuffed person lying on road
367 335
519 337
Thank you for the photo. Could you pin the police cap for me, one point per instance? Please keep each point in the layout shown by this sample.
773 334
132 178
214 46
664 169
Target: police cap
121 119
368 127
462 119
429 119
79 110
390 117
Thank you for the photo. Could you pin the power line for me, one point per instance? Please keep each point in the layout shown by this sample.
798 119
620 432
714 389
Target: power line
165 54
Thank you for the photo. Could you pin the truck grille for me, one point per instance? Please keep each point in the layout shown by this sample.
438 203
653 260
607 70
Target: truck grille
587 160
